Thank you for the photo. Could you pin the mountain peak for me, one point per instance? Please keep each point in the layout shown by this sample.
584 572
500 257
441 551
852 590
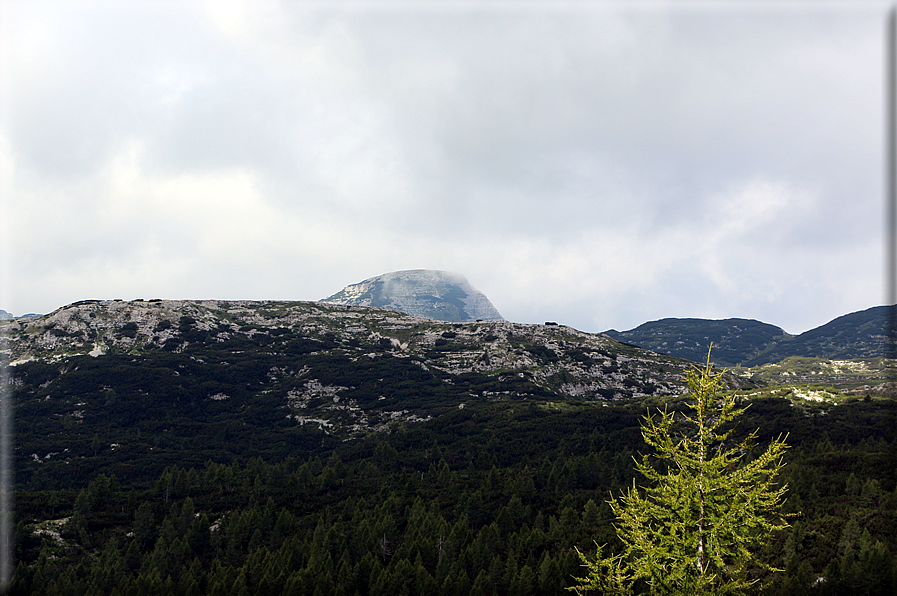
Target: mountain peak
425 293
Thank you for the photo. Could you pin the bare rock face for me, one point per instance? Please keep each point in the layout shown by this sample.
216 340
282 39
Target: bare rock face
425 293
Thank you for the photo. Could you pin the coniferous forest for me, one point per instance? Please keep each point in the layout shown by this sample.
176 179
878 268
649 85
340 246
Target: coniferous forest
488 501
210 455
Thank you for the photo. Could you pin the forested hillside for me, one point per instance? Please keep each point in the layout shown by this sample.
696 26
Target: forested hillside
309 449
129 388
735 341
482 501
745 342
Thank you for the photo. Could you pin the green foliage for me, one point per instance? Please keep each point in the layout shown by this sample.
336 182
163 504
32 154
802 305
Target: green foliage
734 340
865 375
485 501
745 342
696 528
170 488
856 335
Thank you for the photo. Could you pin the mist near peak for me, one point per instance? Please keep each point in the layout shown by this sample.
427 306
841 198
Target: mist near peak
426 293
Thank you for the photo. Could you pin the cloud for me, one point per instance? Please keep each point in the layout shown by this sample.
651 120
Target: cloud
593 161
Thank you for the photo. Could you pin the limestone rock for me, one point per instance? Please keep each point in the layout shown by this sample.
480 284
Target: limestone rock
426 293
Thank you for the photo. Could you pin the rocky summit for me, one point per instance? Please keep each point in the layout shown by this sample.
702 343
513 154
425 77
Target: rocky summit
426 293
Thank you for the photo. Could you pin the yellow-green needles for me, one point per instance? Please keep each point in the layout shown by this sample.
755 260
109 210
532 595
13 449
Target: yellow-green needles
695 527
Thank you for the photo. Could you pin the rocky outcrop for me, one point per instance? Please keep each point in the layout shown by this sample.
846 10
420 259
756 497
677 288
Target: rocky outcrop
430 294
304 343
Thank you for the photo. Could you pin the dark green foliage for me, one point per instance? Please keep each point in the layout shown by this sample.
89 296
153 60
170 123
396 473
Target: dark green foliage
735 341
856 335
127 330
180 471
743 342
481 500
209 396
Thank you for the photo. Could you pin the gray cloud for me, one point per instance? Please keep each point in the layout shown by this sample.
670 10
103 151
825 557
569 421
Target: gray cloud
595 163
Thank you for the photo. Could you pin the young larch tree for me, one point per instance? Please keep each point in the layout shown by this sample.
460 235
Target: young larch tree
696 527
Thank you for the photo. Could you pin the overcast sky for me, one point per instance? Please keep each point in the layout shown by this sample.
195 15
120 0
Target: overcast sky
598 164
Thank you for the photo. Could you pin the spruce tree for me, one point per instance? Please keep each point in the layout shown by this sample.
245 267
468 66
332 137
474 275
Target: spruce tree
696 527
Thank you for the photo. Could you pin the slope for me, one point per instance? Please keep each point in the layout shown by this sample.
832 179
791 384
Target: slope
734 340
743 342
127 387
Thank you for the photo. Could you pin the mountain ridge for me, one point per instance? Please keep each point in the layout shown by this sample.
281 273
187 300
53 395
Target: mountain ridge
95 328
747 342
281 376
736 341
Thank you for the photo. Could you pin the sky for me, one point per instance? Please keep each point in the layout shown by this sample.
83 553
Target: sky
598 164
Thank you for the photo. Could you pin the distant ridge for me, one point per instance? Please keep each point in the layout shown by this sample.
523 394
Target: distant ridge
734 340
744 342
425 293
6 316
862 334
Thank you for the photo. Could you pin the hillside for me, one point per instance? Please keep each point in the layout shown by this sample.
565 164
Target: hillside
862 334
735 341
743 342
856 376
183 447
275 376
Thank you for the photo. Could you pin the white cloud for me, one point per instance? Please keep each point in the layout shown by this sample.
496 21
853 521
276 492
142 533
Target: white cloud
592 161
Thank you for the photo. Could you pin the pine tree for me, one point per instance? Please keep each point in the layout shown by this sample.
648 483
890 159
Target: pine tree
695 529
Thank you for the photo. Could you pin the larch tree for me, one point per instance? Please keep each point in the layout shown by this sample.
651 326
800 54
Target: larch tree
696 527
